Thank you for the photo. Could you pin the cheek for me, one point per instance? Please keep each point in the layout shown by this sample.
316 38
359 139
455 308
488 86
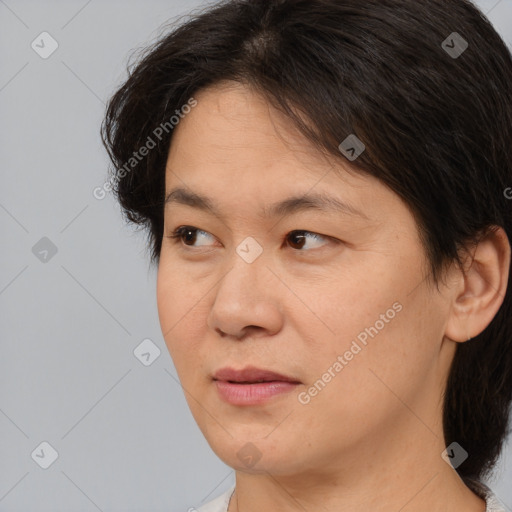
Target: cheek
167 293
177 293
386 362
173 306
182 312
387 335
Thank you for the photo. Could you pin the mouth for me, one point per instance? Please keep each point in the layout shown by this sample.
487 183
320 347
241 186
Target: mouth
251 375
255 382
252 386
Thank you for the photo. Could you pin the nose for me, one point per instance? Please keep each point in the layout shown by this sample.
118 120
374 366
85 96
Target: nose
246 301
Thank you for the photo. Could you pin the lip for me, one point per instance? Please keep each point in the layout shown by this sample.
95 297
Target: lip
252 394
242 387
251 374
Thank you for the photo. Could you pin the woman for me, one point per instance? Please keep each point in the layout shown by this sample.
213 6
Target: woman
325 185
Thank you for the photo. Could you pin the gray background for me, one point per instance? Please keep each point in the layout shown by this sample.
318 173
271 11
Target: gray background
71 320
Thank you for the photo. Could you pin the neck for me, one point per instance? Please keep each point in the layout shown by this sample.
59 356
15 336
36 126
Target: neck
398 477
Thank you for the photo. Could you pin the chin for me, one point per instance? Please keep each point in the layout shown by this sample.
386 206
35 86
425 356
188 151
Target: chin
255 454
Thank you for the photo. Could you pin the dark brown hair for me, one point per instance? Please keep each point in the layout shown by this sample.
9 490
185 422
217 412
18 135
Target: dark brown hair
435 117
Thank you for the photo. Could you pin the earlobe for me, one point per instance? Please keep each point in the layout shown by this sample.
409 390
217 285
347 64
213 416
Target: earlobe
481 288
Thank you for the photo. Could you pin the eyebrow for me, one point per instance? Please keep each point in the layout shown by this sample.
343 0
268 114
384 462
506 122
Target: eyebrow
287 207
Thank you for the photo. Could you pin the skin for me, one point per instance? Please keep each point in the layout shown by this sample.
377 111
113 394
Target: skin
372 438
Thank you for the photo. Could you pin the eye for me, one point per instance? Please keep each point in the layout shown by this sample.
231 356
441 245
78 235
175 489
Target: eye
299 238
189 234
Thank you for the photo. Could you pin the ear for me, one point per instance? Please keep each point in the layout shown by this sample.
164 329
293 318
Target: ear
479 290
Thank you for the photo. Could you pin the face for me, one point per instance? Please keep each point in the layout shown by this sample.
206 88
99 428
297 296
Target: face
335 298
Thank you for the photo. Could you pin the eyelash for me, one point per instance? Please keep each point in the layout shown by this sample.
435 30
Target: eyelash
179 232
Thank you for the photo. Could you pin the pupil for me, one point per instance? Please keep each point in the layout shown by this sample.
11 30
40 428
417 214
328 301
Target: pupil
301 238
187 232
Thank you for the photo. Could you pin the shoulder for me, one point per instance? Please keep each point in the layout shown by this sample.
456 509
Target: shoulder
218 504
492 503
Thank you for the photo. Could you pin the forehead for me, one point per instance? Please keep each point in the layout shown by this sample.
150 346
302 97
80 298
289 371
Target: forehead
233 130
